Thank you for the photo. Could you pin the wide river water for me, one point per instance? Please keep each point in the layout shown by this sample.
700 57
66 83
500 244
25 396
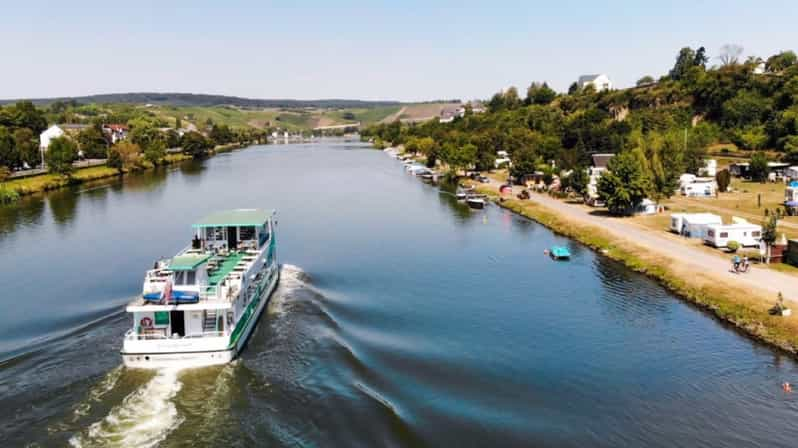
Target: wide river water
402 319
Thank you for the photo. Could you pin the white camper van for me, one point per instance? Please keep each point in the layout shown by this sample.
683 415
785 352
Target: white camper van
693 225
745 233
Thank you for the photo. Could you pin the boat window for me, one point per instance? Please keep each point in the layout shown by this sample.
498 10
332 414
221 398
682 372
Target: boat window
179 277
191 277
756 234
724 234
246 233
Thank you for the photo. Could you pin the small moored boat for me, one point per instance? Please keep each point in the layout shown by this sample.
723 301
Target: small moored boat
476 202
559 253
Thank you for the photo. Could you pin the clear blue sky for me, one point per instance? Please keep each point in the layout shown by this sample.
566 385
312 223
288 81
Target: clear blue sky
405 50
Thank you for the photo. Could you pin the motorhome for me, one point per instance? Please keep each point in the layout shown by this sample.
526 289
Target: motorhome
693 225
745 233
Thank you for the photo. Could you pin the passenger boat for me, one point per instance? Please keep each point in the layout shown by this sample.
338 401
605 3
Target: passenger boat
199 307
560 253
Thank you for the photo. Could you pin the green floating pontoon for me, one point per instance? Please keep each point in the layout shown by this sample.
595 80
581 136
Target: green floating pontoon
560 253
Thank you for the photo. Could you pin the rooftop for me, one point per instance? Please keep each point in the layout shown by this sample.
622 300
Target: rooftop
187 262
238 217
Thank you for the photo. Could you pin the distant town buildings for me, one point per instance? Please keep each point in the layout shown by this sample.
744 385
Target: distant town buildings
599 82
450 112
115 132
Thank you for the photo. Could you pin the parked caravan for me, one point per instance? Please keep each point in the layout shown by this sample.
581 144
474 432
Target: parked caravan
747 234
693 225
700 187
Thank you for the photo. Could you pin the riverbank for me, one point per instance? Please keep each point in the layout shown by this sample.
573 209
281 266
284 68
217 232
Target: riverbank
47 182
729 297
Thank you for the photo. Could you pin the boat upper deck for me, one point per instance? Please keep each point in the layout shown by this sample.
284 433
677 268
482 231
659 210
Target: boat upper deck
220 267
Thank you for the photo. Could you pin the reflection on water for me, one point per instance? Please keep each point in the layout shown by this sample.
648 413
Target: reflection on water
403 318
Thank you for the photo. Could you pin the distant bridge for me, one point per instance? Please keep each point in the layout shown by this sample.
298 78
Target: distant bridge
338 126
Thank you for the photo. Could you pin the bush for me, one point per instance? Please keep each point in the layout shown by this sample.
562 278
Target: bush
732 246
8 195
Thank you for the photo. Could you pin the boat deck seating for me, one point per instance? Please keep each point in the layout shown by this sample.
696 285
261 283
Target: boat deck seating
224 267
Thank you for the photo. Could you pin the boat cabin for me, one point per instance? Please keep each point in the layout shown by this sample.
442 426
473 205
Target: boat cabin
232 230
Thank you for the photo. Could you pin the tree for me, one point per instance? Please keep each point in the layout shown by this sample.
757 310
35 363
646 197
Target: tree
460 158
752 137
27 146
26 115
511 98
759 166
701 58
573 88
60 154
9 156
730 54
196 144
92 142
645 80
155 152
684 61
221 134
624 186
124 155
723 178
525 162
769 231
540 94
577 181
781 61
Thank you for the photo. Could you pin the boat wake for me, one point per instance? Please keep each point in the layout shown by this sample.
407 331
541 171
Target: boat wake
143 419
292 278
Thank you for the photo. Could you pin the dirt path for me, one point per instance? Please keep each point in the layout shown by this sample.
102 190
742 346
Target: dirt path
691 258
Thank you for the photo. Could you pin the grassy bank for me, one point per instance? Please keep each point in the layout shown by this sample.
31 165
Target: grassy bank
47 182
747 310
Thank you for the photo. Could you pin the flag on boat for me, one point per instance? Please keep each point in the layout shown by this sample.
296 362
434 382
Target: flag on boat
166 294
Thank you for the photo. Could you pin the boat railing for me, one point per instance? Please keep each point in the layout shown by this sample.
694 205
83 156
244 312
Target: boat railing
205 334
209 292
136 336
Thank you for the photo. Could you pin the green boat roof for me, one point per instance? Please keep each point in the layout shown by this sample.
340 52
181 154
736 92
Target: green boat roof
238 217
188 262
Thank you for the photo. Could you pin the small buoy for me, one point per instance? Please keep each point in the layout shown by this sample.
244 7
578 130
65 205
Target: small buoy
786 386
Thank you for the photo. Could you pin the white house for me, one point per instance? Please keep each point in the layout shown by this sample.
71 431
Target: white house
599 82
745 233
693 225
50 133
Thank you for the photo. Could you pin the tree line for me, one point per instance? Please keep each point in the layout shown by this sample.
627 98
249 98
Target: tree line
659 129
148 138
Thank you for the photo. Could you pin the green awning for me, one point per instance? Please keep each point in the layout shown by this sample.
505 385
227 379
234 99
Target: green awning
188 262
239 218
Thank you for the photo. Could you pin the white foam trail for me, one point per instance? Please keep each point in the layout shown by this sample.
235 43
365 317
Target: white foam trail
143 419
290 280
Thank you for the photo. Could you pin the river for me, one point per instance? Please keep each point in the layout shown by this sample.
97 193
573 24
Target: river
402 319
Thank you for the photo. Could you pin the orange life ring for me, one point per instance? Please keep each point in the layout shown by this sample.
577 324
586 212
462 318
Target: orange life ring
146 322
